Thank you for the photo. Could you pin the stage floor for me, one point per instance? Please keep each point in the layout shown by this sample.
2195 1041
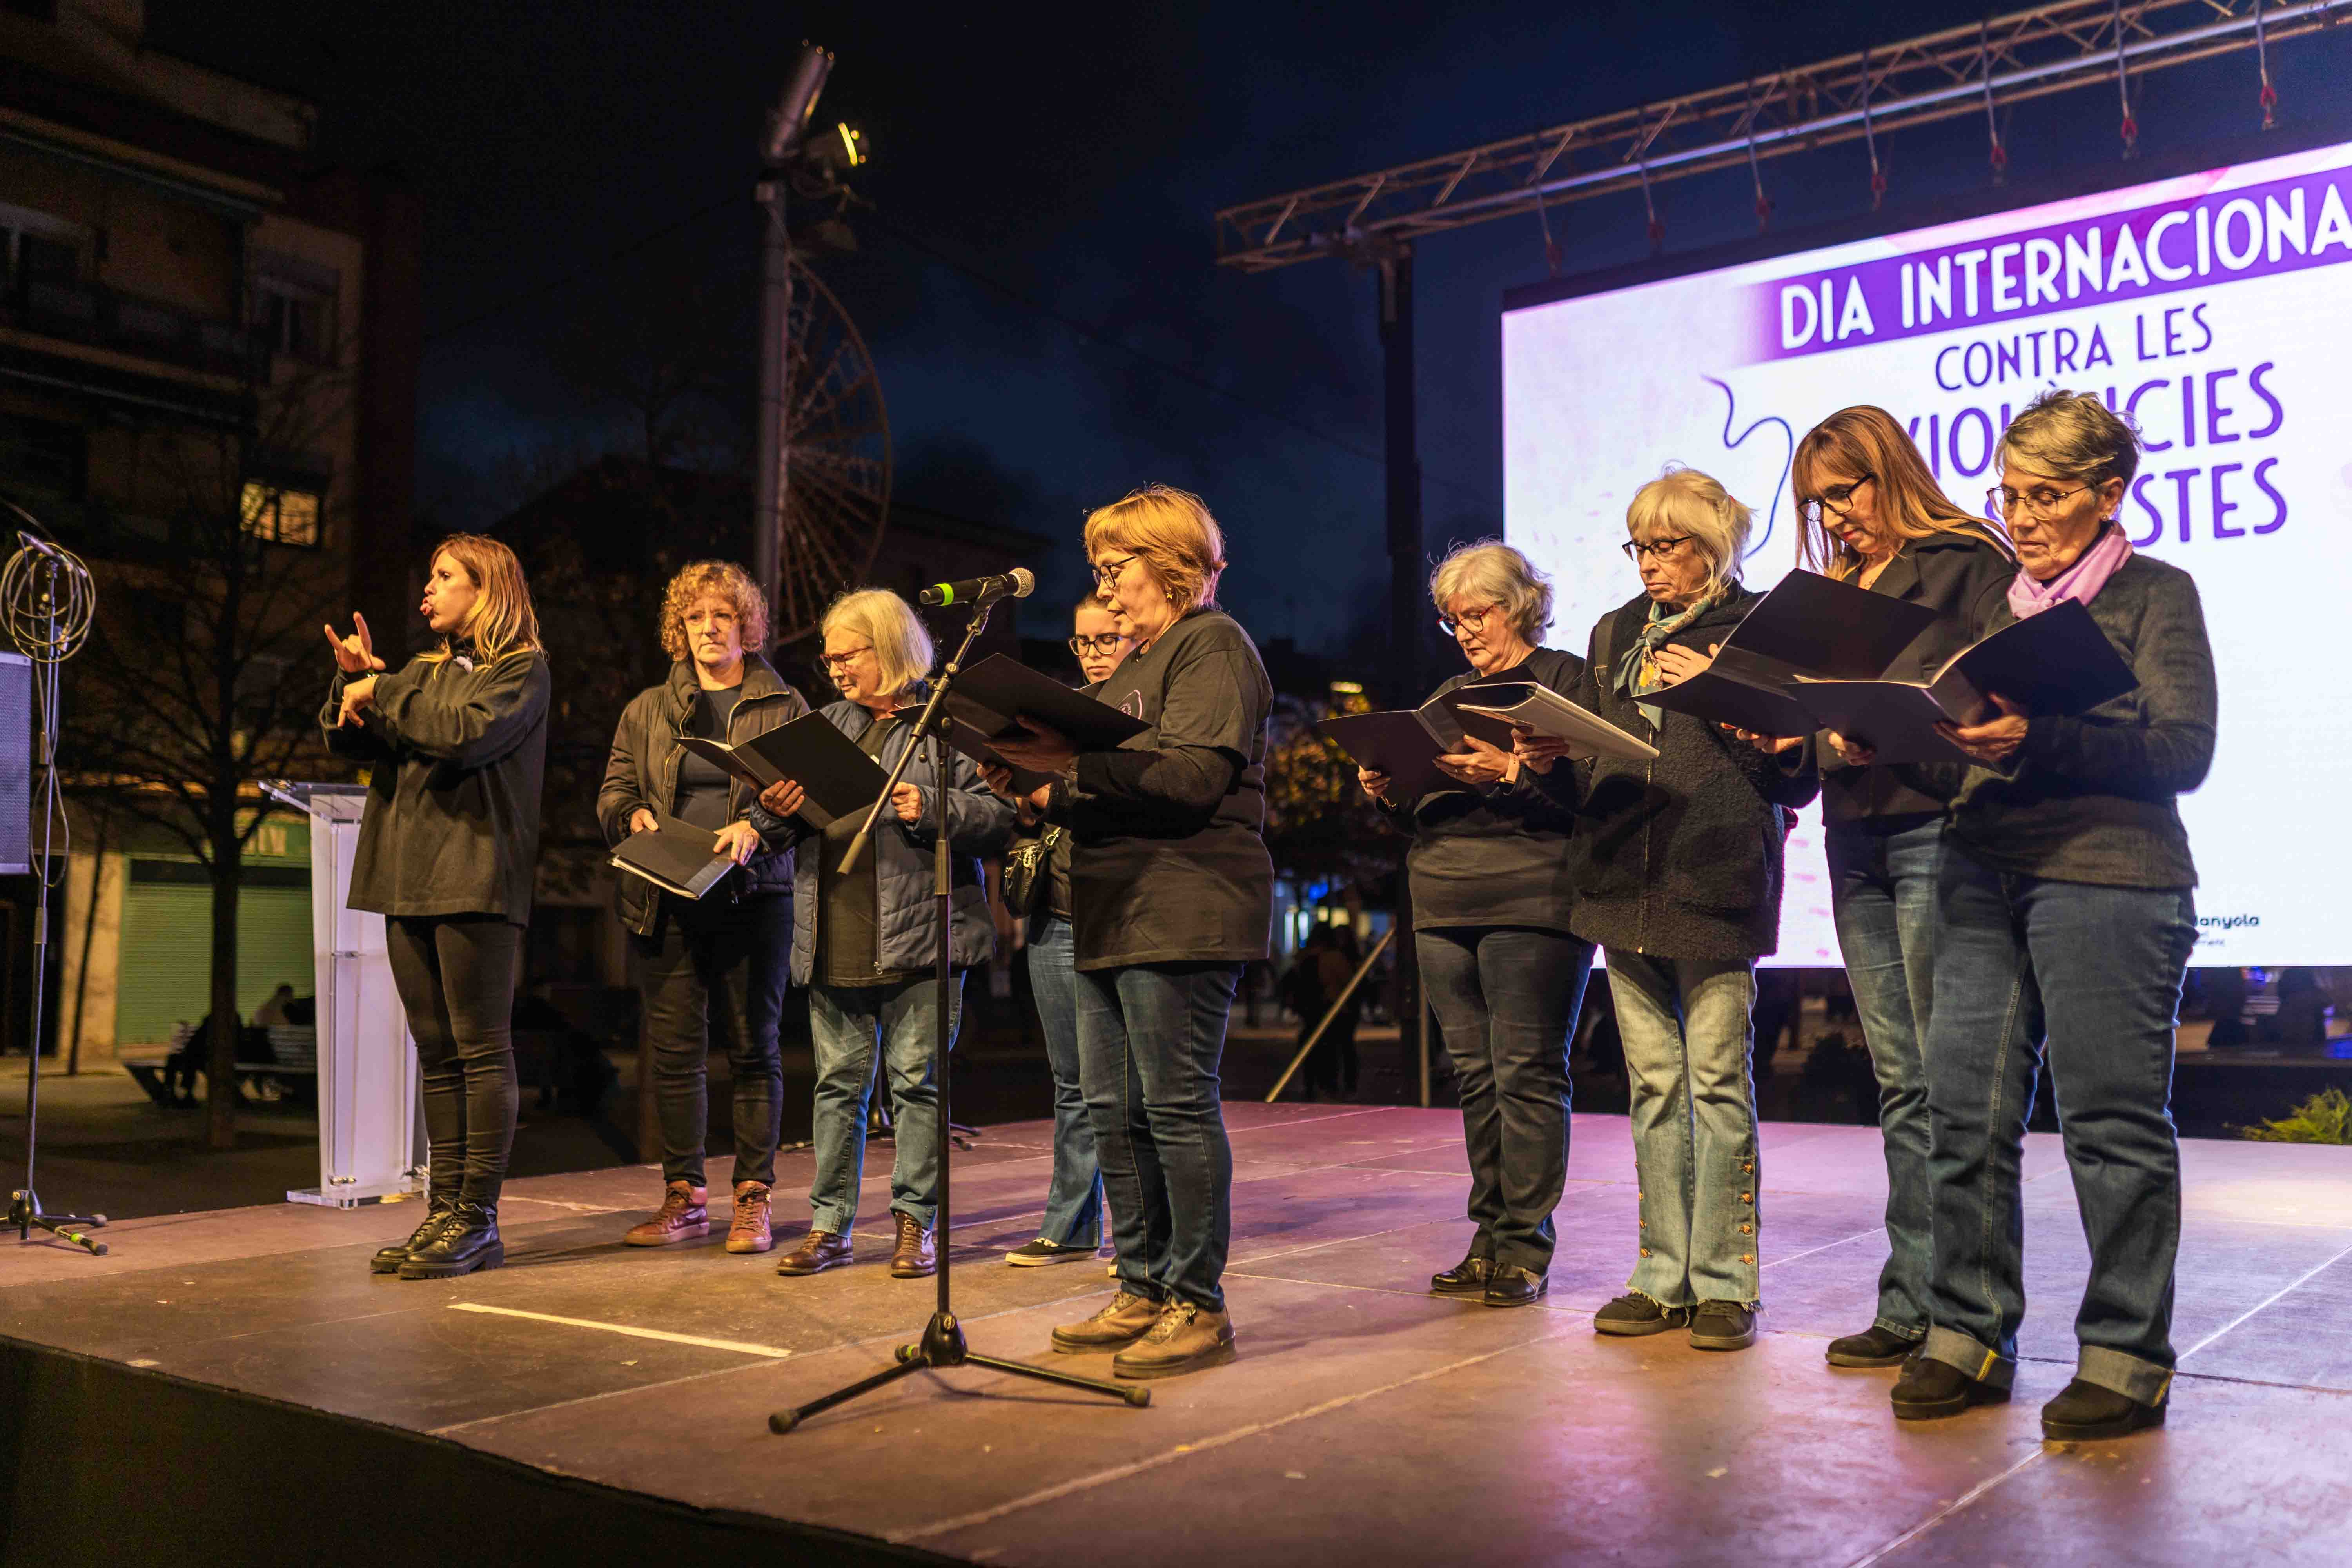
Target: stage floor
1366 1421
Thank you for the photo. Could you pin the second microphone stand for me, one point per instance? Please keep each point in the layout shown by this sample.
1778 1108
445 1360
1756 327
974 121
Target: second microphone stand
942 1344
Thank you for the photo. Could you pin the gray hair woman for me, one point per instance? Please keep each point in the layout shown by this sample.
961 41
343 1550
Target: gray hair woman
862 944
2064 922
1677 870
1491 901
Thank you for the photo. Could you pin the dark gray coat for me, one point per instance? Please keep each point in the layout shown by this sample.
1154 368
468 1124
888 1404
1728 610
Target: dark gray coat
2094 797
643 772
455 753
1679 856
980 824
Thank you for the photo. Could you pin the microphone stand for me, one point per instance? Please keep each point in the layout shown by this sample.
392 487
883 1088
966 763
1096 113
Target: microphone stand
942 1344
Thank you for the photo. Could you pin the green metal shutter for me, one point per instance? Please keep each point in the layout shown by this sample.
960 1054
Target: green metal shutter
165 972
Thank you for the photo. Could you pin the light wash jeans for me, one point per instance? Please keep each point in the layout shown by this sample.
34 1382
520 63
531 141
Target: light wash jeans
846 1024
1685 1024
2091 975
1074 1198
1883 896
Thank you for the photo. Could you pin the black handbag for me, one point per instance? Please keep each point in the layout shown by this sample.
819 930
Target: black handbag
1026 874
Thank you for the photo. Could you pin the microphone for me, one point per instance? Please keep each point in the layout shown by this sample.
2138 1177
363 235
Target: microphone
41 546
1017 583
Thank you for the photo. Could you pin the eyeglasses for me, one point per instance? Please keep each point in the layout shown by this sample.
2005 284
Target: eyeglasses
840 661
1102 642
1468 620
1659 549
1838 499
2041 504
1106 575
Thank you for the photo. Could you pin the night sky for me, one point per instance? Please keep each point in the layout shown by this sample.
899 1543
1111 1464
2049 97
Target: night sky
1036 279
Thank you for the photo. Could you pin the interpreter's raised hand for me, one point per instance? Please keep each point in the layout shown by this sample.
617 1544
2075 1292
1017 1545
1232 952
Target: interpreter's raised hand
739 841
1996 739
908 802
784 797
356 652
359 696
1483 764
1538 752
1770 745
1677 664
1373 783
1857 754
1040 748
643 821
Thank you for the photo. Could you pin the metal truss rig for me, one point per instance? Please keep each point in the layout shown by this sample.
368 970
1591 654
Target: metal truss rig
1857 96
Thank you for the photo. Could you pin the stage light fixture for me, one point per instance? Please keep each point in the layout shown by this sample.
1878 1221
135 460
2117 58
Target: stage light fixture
796 106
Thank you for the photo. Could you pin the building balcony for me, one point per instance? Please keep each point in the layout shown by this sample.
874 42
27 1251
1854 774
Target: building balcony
140 329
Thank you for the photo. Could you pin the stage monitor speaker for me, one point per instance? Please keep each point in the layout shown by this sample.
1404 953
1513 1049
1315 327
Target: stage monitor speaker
16 765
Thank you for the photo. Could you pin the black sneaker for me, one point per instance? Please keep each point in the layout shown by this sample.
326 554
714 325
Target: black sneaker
1038 1253
1722 1326
1467 1278
1632 1314
1875 1346
2085 1413
1930 1389
1512 1286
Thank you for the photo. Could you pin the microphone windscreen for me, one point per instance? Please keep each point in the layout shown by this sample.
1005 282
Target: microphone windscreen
1024 581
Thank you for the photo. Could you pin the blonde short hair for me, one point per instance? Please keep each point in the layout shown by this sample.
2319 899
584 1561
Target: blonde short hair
2073 436
1172 533
901 646
1685 502
1492 571
700 579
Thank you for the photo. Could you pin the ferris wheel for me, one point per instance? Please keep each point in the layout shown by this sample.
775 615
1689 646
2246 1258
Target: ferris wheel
834 461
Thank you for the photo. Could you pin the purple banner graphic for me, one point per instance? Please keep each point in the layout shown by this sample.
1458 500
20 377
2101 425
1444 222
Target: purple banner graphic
2258 231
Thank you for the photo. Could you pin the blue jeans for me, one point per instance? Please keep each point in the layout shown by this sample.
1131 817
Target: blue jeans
1074 1197
1151 1037
1883 896
2096 973
1505 999
1685 1024
845 1022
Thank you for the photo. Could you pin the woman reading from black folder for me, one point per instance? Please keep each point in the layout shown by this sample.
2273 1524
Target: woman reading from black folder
718 962
457 739
1491 893
1172 892
2064 922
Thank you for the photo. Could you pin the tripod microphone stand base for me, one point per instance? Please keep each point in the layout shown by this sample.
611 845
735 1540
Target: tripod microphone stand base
24 1214
942 1346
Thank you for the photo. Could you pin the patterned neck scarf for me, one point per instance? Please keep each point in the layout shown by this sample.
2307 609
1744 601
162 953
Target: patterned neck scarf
1637 667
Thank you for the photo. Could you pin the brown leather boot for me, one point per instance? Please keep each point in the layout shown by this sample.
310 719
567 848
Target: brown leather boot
1187 1338
818 1251
748 1231
1127 1319
685 1213
917 1254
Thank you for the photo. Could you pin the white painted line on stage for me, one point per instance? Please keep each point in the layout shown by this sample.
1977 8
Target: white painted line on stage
1841 1241
576 1208
1941 1514
737 1346
2272 1300
1256 1428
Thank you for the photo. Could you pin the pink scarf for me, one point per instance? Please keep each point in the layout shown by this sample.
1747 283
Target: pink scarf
2028 595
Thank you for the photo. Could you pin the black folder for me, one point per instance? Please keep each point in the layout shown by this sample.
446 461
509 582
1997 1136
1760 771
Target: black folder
1406 742
2056 662
841 780
994 696
675 856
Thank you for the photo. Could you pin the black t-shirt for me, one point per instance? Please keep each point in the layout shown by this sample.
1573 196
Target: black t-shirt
702 787
1168 863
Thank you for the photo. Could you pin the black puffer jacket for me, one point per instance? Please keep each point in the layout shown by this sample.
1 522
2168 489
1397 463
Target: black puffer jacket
643 772
1681 856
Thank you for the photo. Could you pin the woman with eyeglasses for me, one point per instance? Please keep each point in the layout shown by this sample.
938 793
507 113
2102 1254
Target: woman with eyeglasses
1677 870
1072 1229
2064 923
1874 516
1171 893
1492 893
865 942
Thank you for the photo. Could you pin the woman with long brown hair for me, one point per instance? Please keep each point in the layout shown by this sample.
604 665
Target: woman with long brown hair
456 742
1874 516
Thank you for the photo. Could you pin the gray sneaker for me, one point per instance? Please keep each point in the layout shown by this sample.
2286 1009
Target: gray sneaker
1038 1253
1632 1314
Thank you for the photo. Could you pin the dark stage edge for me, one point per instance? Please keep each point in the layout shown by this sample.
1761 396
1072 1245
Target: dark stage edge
235 1387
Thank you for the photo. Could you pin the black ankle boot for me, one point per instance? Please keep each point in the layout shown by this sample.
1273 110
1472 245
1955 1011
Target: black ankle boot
468 1242
436 1215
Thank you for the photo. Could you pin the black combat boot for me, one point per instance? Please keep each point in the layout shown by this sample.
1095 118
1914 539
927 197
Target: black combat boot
468 1242
437 1207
